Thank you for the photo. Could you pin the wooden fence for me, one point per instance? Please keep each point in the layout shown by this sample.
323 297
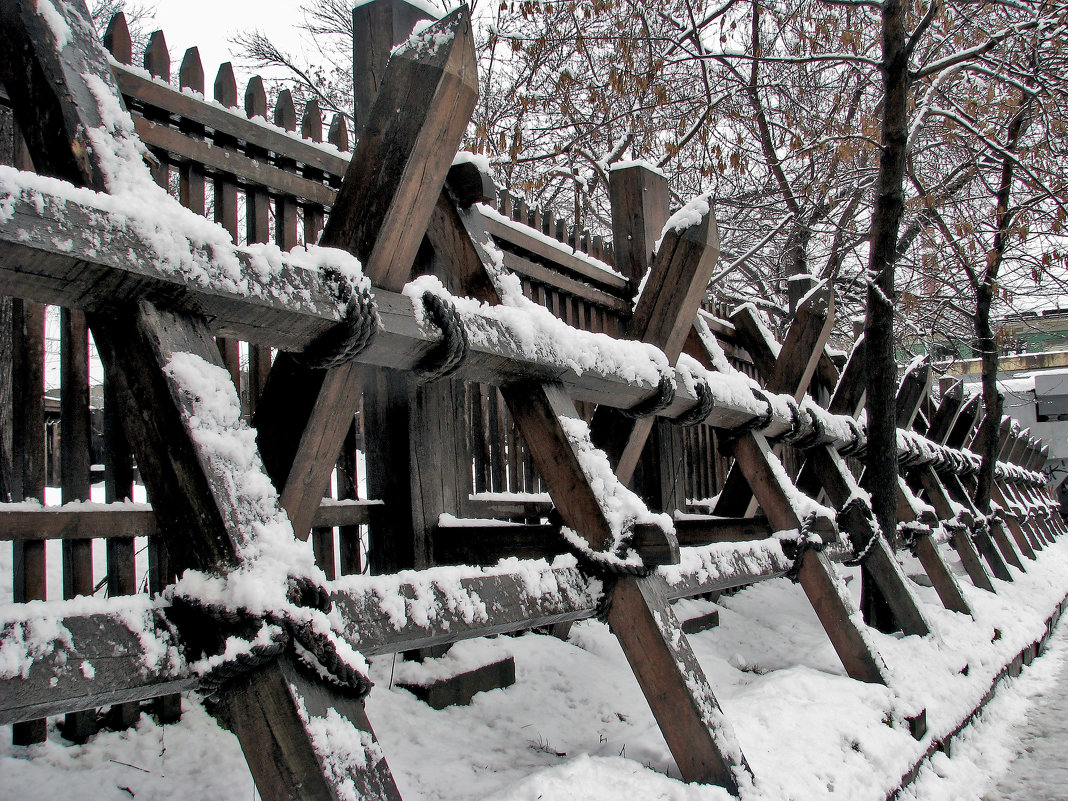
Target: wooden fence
511 433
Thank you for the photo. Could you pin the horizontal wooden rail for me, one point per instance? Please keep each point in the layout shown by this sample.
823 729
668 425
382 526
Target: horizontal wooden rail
124 650
231 162
92 521
136 85
42 231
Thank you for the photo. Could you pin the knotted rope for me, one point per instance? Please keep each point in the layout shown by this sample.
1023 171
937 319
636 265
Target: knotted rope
706 402
357 329
665 394
448 354
794 548
316 653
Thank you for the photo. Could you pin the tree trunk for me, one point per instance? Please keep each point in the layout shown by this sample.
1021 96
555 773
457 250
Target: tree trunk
988 349
881 364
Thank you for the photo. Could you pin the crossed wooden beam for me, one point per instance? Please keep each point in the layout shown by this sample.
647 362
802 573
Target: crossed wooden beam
151 324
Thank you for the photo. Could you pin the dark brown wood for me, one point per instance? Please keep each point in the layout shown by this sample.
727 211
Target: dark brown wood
187 483
461 689
817 576
28 463
117 39
915 386
678 277
256 133
665 666
225 206
338 135
961 539
640 207
473 543
789 372
157 59
949 407
841 486
311 127
258 174
382 209
377 27
983 539
74 475
966 422
121 521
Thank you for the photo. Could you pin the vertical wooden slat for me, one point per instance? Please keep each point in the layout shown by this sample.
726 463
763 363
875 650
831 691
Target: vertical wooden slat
311 127
117 39
157 60
191 174
257 226
225 205
75 479
120 552
28 463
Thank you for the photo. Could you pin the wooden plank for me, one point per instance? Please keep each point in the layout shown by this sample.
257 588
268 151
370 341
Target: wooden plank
817 576
384 205
789 372
640 200
258 133
551 276
880 562
28 465
678 278
265 177
936 494
74 475
983 539
671 678
561 256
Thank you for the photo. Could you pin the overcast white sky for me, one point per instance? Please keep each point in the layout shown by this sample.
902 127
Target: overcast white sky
209 24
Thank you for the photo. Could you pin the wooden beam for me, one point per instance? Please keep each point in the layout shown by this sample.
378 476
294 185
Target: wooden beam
148 667
120 521
817 577
925 476
384 205
792 372
678 277
672 680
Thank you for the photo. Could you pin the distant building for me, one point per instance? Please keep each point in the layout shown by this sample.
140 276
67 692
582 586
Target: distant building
1035 386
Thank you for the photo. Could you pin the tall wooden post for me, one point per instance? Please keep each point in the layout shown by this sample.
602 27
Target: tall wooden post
74 474
377 27
640 208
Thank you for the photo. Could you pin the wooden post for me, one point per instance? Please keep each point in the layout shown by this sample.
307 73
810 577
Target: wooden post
674 684
380 214
791 371
678 276
377 28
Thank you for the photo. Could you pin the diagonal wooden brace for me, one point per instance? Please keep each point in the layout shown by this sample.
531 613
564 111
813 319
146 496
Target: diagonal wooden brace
792 372
385 204
817 575
162 364
698 735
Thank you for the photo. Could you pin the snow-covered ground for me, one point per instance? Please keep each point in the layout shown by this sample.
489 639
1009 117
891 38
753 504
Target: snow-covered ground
576 726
